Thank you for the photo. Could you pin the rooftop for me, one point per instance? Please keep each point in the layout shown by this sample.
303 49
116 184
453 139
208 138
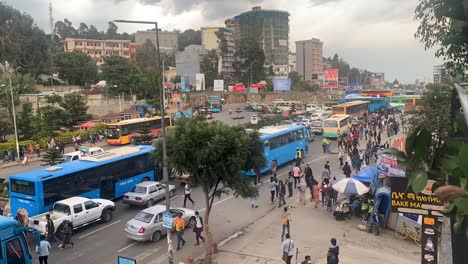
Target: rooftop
256 9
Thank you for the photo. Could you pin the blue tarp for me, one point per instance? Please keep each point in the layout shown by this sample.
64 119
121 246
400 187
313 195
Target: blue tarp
369 174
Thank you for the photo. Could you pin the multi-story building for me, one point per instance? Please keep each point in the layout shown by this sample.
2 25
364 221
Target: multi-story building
188 61
376 80
309 58
292 62
97 49
209 37
270 28
440 73
233 25
168 41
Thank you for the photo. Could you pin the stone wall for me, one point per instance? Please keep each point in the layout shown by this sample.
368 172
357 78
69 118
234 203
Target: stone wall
268 98
58 88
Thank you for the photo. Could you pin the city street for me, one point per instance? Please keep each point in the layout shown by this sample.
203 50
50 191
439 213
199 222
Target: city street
229 215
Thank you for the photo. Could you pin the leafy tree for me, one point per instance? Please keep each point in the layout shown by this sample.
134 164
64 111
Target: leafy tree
24 120
76 68
52 118
209 66
213 155
146 55
6 126
188 37
295 79
23 44
112 31
75 106
51 157
251 59
116 71
145 137
444 24
64 29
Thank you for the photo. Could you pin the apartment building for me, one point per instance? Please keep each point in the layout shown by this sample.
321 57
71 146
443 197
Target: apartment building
168 41
309 58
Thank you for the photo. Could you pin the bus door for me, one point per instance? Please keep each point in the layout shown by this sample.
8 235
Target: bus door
107 187
268 158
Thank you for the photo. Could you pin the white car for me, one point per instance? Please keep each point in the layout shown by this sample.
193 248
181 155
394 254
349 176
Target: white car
312 107
146 193
76 155
317 117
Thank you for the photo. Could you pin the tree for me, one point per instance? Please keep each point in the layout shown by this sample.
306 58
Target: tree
147 55
209 66
76 68
51 157
145 137
6 126
24 120
23 44
75 106
214 156
188 37
52 118
444 24
249 68
116 71
112 31
295 79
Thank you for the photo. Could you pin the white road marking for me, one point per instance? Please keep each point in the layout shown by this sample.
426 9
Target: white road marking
218 202
99 229
127 247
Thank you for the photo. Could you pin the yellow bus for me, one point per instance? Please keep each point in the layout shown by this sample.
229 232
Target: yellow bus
359 109
413 104
336 125
124 132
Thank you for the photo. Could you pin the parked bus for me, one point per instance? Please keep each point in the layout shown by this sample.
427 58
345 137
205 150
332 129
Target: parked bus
215 104
124 132
107 175
398 102
377 93
376 103
336 125
281 144
413 104
358 109
330 102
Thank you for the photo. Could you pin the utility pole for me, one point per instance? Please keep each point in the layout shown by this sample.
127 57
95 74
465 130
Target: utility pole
14 112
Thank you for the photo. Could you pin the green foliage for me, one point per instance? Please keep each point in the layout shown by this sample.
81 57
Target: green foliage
250 66
64 29
52 118
145 137
147 55
11 144
188 37
209 66
6 126
51 157
76 68
75 107
443 24
116 71
98 127
24 120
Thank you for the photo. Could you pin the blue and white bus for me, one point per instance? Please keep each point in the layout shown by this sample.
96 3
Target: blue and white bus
376 103
107 175
215 104
281 144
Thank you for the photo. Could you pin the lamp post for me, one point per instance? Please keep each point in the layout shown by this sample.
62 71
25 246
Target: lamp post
163 129
8 71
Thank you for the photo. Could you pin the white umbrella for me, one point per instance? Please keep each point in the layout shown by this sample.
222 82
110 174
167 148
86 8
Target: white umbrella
350 186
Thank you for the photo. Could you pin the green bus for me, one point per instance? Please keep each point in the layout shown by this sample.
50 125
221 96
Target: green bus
398 101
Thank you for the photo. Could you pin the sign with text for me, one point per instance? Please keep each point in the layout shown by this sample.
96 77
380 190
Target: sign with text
218 85
330 78
388 165
429 240
167 219
282 84
185 84
404 201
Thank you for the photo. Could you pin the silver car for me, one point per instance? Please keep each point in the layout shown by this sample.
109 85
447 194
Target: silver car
146 193
147 225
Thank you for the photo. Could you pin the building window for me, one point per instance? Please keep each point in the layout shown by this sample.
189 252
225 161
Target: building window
98 52
108 45
97 44
79 43
116 53
125 46
90 52
89 44
108 52
116 45
125 53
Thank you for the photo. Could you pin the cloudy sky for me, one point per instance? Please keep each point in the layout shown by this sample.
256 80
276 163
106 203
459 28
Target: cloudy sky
374 34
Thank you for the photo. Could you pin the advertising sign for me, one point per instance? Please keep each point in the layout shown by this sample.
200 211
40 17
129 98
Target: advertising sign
184 84
167 219
282 84
200 82
388 165
429 240
353 93
253 90
218 85
330 78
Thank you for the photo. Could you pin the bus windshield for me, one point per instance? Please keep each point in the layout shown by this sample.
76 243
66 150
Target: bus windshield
23 187
330 123
113 133
338 110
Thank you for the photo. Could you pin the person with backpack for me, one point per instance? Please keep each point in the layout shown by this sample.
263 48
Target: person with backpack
198 228
187 192
288 249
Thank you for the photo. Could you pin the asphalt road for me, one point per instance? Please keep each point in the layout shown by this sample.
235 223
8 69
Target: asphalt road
102 243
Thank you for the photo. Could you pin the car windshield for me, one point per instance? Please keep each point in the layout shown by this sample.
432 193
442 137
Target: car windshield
113 133
316 124
330 123
144 217
67 158
62 208
139 189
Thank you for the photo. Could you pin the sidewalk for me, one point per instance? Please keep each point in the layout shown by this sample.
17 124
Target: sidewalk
311 230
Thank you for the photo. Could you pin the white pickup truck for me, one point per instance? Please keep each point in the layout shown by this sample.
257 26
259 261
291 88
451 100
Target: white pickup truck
79 211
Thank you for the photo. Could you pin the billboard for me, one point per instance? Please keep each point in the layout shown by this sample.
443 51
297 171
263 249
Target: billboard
282 84
330 78
218 85
184 84
200 82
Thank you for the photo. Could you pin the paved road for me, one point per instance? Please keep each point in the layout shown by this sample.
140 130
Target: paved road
102 243
238 116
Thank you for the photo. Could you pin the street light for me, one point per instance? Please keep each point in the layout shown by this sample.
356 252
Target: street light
163 128
8 71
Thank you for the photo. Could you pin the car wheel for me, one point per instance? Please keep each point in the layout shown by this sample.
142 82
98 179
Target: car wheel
149 203
171 193
191 222
106 216
156 236
274 166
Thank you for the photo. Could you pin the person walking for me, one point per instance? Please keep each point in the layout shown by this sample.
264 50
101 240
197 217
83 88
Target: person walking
316 194
327 166
324 145
255 197
289 183
38 149
288 249
43 250
340 158
302 192
25 161
347 170
273 185
179 230
297 173
50 228
298 157
307 260
326 176
285 221
66 233
282 193
187 196
198 229
334 249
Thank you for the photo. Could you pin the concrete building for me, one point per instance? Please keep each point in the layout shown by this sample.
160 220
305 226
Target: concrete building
376 80
168 41
440 74
270 28
98 49
209 39
233 25
188 61
292 62
309 58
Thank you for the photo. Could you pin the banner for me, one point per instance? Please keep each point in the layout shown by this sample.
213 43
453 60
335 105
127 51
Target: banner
218 85
282 84
406 201
184 84
430 240
330 78
388 165
200 82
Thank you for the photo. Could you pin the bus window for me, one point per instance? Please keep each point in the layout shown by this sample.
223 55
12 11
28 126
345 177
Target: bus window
300 134
339 110
24 187
113 133
14 252
330 123
266 144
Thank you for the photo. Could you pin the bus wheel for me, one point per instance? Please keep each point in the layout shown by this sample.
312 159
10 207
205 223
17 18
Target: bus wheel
274 166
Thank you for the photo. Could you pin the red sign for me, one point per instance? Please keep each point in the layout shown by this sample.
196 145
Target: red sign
330 78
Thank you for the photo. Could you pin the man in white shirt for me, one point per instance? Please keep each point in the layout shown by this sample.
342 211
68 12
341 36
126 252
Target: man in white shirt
43 250
188 191
288 249
198 228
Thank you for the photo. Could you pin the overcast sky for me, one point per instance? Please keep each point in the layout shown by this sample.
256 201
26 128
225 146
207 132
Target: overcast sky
377 35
